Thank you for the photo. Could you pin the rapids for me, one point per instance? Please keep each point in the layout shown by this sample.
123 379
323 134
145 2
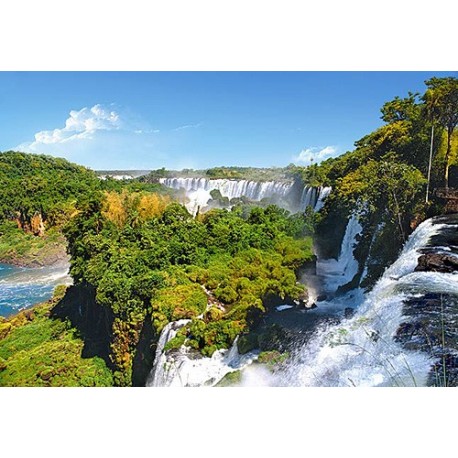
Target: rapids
362 350
23 287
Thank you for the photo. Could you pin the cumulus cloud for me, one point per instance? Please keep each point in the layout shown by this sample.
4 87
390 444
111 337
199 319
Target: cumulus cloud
307 155
79 125
101 136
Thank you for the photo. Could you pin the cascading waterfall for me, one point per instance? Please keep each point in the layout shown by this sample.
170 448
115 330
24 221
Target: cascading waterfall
313 197
198 189
322 195
280 192
338 272
186 367
361 351
254 190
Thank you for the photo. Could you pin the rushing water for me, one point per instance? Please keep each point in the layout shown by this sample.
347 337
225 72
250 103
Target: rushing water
338 272
281 193
357 351
23 287
362 351
183 367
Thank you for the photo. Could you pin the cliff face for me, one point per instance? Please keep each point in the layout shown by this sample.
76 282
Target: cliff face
38 348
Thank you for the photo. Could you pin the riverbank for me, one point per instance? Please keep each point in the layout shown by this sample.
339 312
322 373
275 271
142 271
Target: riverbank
20 249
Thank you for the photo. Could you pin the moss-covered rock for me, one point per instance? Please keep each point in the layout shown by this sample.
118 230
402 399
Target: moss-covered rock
247 342
273 358
230 379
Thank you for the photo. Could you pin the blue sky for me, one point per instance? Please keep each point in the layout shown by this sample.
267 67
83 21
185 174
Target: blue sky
147 120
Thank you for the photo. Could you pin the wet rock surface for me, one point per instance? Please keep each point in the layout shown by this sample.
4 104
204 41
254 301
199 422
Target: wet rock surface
431 320
437 262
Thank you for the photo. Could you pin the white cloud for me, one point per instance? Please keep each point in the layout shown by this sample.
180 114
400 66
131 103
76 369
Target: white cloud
99 137
80 124
188 126
307 155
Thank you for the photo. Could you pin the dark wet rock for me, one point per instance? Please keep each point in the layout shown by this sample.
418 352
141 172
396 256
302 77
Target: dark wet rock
444 371
349 312
437 262
431 325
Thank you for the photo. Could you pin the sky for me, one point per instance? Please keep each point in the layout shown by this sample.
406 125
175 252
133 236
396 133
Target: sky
149 120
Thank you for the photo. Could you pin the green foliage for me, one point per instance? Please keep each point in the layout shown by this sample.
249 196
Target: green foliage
37 183
21 248
36 350
272 358
441 101
158 268
230 173
385 176
230 379
177 303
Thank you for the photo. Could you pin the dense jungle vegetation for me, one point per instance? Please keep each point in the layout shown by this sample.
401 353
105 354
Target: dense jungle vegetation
150 261
386 177
38 196
144 261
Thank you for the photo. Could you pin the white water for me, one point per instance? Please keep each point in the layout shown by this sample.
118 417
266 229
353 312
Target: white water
254 190
360 351
313 197
338 272
23 287
184 367
322 195
280 192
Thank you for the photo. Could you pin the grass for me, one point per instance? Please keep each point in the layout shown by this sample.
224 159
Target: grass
37 350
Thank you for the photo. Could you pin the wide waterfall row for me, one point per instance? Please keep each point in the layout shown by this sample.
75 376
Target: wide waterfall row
254 190
281 193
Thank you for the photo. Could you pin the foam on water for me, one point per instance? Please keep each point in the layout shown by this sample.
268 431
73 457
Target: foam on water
361 351
23 287
184 367
338 272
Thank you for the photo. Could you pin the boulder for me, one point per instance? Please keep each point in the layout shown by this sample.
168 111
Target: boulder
437 262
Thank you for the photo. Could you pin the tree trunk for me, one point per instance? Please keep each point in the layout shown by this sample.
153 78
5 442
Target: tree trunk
447 155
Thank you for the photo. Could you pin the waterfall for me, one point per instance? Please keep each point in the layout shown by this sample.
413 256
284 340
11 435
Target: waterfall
279 192
313 197
367 349
254 190
338 272
160 370
186 367
322 195
362 351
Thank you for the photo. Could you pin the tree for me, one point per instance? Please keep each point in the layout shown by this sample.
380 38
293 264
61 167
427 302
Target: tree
442 99
400 109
